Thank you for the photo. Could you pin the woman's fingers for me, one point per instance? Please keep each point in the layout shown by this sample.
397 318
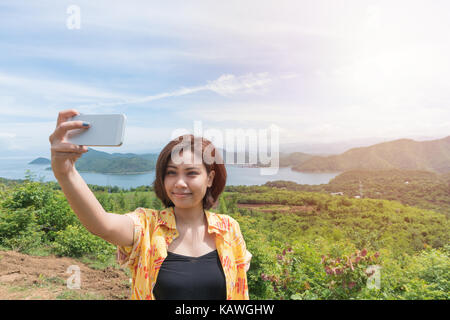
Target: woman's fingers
56 139
67 155
65 115
65 147
62 129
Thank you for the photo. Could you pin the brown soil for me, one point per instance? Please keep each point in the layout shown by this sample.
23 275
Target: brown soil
24 277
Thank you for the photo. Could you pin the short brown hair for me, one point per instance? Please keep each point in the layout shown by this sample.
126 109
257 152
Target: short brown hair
220 176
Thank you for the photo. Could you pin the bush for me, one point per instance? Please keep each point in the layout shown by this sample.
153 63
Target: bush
19 230
52 211
55 216
76 241
143 201
347 275
106 201
429 275
297 273
28 194
157 204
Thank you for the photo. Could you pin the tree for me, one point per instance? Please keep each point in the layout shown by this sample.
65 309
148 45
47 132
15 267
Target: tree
157 204
231 203
121 200
222 206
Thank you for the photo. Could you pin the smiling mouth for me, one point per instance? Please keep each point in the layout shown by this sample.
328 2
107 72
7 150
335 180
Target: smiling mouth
181 194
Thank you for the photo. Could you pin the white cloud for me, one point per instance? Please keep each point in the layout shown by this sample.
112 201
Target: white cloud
53 88
378 70
226 85
26 96
229 84
249 32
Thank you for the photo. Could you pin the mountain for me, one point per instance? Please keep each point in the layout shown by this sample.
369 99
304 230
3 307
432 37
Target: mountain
127 163
116 163
406 154
337 147
40 160
295 158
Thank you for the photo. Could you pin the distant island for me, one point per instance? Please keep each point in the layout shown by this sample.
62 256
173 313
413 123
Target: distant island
116 163
402 154
40 160
123 163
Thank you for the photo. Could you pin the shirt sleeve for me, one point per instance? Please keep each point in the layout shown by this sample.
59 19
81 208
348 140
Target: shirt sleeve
129 255
243 256
248 258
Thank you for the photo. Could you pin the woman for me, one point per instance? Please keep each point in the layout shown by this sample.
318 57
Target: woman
181 252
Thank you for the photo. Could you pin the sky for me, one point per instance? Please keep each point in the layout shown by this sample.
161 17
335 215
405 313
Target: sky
320 71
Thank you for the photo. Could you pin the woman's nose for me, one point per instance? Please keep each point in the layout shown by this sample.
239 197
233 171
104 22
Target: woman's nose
180 182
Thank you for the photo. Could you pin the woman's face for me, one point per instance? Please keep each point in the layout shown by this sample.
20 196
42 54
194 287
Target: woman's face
186 183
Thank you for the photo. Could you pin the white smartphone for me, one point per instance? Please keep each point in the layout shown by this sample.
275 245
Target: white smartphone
106 130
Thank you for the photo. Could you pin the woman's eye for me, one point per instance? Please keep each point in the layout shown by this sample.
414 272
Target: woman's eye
192 172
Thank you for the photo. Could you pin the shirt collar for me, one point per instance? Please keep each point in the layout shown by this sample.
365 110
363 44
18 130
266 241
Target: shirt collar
215 223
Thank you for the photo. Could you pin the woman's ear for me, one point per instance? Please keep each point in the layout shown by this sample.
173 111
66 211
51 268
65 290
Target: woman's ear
211 177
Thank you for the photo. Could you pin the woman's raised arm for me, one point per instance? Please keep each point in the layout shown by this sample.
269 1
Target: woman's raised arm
114 228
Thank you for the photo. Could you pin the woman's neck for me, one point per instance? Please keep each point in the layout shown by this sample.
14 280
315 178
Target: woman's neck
190 217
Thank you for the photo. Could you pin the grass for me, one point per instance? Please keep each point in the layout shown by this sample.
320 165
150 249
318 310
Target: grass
74 295
17 289
94 263
44 281
41 251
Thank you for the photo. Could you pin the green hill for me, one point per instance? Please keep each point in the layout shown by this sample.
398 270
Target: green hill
40 160
116 163
304 245
422 189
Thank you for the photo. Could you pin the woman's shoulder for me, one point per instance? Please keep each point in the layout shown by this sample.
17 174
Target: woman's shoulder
146 213
223 217
223 220
142 210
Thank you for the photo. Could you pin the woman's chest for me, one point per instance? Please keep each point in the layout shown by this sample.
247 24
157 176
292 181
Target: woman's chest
193 243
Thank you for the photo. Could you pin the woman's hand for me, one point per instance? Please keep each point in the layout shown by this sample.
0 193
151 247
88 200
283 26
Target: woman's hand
65 154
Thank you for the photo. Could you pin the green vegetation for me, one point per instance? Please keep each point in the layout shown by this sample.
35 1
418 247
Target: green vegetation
306 243
421 189
116 163
116 166
35 218
73 295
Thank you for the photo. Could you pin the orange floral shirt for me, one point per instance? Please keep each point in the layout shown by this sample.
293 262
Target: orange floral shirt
154 230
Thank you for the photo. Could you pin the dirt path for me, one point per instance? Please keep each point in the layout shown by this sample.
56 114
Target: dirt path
25 277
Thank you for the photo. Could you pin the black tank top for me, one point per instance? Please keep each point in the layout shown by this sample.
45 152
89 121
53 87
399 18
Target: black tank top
191 278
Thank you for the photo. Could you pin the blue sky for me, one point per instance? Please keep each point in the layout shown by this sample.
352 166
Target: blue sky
322 71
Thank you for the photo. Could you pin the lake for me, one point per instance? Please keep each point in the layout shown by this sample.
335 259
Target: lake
16 167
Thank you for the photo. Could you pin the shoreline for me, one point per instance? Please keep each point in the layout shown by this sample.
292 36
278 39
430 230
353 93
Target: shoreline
117 173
